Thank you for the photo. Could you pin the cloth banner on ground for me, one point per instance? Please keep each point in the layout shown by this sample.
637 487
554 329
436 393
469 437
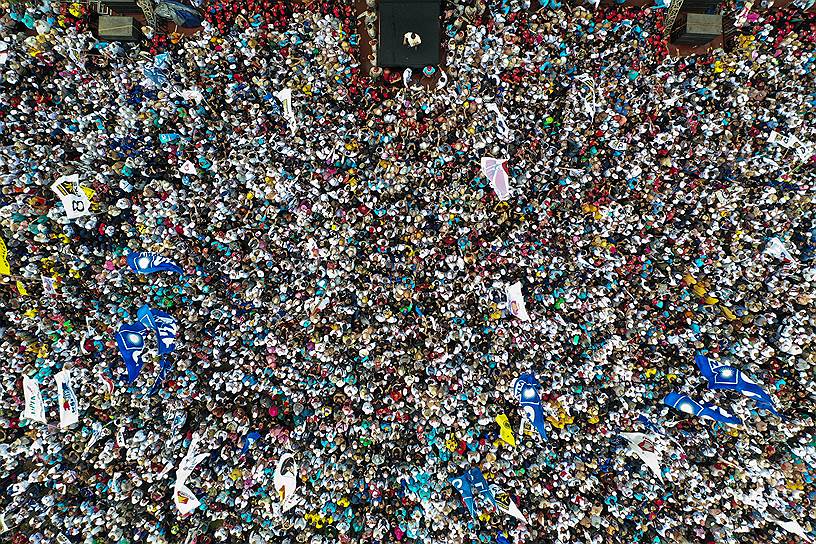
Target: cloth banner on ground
722 376
163 324
285 481
34 408
73 198
495 170
68 405
145 262
515 302
130 340
687 405
647 449
525 388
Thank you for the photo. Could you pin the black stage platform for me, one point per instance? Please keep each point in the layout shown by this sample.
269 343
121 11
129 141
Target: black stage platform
400 16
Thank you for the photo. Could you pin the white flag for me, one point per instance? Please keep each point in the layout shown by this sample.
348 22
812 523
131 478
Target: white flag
285 96
443 80
192 94
68 405
34 408
506 504
187 167
495 171
73 198
48 285
792 527
501 121
647 449
285 481
184 499
515 302
618 145
189 461
777 249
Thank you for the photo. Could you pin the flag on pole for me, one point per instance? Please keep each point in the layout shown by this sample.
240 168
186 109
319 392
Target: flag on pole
687 405
285 97
130 340
525 388
647 449
792 527
190 460
722 376
505 504
462 484
73 198
250 439
515 302
34 408
501 121
499 176
184 499
145 262
163 324
285 481
5 269
68 405
480 485
505 431
164 368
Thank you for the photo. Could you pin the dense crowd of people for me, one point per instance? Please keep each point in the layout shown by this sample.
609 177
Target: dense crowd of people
345 263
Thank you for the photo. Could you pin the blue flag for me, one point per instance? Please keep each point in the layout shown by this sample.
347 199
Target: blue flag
165 367
722 376
131 344
156 73
480 486
687 405
648 424
163 324
145 262
526 389
249 440
501 539
462 484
